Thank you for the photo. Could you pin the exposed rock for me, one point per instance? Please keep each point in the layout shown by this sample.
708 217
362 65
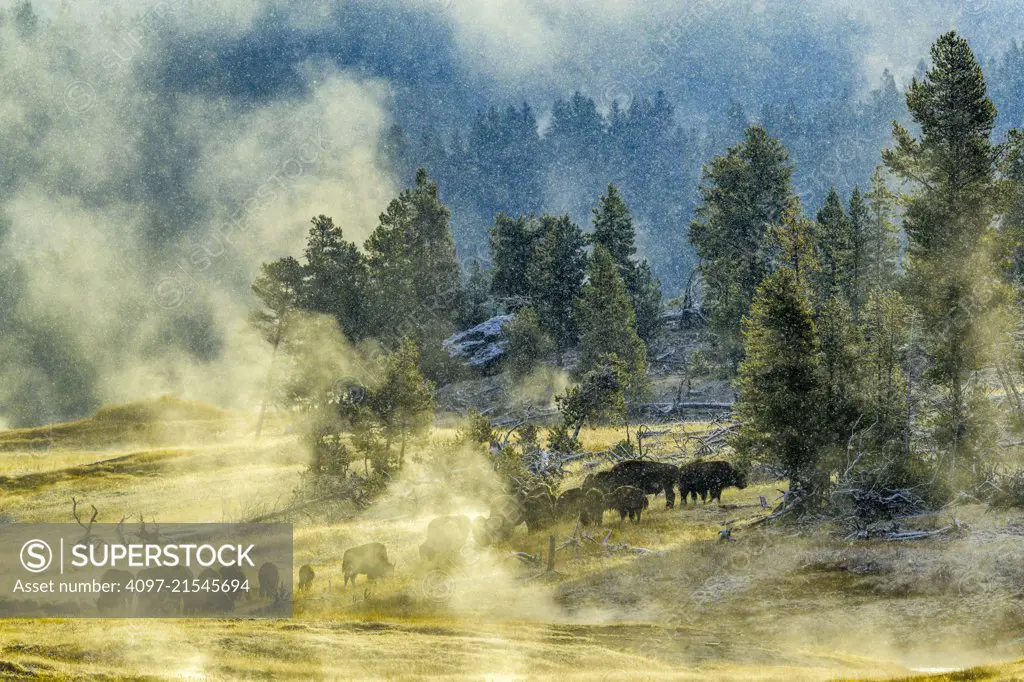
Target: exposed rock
480 346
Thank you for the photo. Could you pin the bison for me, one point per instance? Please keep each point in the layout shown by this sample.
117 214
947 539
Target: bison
370 559
539 509
650 477
240 588
511 509
269 578
121 598
709 479
592 507
446 535
306 575
163 602
207 599
570 502
629 501
601 480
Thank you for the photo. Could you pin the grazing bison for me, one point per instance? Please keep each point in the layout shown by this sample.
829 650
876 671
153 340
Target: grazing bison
207 601
162 602
593 506
629 501
306 576
269 579
234 573
492 529
601 480
370 559
709 479
650 477
539 509
446 535
511 509
570 503
121 598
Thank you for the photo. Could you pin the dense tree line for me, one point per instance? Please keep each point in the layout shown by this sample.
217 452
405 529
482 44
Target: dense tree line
865 343
506 161
854 361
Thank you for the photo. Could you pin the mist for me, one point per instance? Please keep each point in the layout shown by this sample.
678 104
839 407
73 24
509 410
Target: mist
155 155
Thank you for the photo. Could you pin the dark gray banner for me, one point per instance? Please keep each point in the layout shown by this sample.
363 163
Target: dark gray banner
193 570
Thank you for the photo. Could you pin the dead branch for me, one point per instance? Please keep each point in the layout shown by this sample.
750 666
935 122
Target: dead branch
528 559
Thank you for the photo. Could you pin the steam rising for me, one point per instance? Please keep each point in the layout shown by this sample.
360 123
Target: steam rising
154 154
134 218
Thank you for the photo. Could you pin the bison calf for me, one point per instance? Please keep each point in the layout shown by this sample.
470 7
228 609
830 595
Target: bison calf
370 560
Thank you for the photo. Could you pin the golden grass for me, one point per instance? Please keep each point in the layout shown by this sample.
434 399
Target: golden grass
664 599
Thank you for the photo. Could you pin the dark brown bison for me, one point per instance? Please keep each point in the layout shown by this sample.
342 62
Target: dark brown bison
708 479
119 599
601 480
269 578
207 599
370 560
511 509
570 503
306 575
592 507
162 602
492 529
629 501
446 536
650 477
539 509
236 580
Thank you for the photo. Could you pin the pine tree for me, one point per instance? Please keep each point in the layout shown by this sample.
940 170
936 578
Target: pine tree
613 230
645 294
793 245
949 222
513 241
779 406
886 323
556 277
413 268
477 305
528 343
279 287
744 193
398 408
335 278
841 347
859 286
608 323
881 243
834 250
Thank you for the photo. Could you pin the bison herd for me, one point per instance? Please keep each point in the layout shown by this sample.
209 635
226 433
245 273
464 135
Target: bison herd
623 488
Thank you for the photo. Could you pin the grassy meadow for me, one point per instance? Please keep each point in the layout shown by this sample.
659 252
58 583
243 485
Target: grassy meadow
665 599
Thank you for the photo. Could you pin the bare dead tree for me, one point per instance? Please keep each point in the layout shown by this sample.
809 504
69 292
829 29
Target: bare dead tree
149 537
119 530
88 538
